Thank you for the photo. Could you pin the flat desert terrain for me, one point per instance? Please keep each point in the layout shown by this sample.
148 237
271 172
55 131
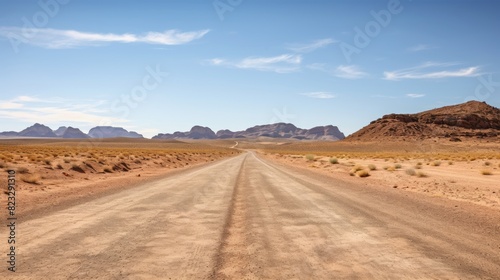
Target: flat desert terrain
258 210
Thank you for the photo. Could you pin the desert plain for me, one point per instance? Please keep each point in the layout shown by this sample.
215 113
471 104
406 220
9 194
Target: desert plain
255 209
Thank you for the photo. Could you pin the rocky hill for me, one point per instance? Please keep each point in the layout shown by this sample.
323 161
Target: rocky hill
277 130
468 120
112 132
37 130
74 133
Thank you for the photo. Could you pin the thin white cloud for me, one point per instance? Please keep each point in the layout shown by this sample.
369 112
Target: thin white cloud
420 47
305 48
32 109
62 39
349 72
319 94
415 95
431 70
285 63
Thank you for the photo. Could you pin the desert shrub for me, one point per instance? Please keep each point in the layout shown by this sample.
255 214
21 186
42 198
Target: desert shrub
390 168
77 168
398 166
67 160
486 172
356 168
450 162
310 157
435 163
362 173
421 174
418 166
334 161
31 179
372 167
108 169
411 172
22 170
59 166
487 163
47 162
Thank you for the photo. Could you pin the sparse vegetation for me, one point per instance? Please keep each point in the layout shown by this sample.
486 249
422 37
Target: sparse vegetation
486 172
421 174
31 179
372 167
334 161
22 170
362 173
411 172
310 157
436 163
398 166
487 163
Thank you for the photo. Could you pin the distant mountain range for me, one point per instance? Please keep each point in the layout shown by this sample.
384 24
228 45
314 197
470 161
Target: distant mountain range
277 130
39 130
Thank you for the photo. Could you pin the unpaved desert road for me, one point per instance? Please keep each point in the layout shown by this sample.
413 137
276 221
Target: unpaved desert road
246 218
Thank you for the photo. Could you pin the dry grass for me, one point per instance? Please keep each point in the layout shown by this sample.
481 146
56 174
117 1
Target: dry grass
310 157
372 167
486 172
362 173
31 179
421 174
435 163
411 172
334 161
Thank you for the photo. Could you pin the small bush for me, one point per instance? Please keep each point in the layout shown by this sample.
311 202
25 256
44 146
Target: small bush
77 168
22 170
411 172
398 166
486 172
362 173
310 157
334 161
487 163
418 166
372 167
31 179
421 174
436 163
356 168
450 162
47 162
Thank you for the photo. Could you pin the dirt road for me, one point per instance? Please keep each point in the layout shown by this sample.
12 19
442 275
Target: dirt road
245 218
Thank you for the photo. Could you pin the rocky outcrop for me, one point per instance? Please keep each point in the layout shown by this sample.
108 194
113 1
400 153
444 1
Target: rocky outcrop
471 119
37 130
112 132
74 133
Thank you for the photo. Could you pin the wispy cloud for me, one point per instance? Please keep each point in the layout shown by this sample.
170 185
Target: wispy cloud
285 63
431 70
62 39
420 47
415 95
32 109
319 94
349 72
305 48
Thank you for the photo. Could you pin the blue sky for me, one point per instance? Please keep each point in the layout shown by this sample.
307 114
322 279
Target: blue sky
164 66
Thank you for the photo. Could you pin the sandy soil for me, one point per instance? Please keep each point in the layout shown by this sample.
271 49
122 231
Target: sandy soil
51 173
249 218
456 180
